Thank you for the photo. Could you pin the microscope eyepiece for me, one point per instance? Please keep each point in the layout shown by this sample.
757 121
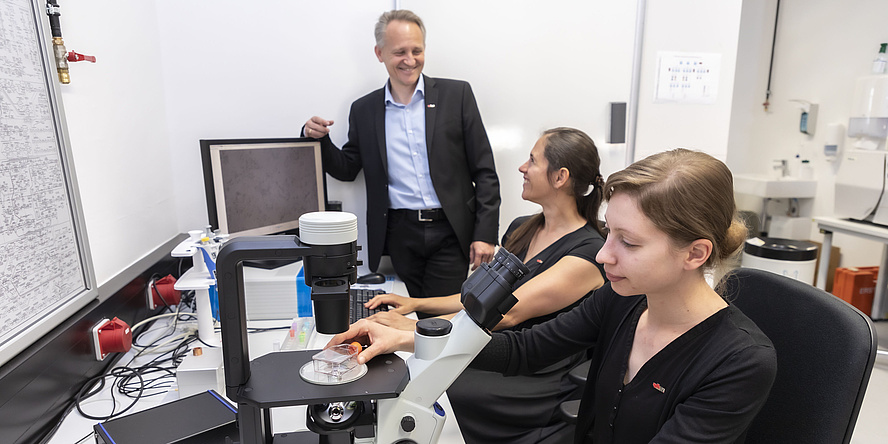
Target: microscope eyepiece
487 293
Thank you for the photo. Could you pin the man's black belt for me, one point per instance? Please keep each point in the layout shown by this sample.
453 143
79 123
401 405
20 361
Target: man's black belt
432 215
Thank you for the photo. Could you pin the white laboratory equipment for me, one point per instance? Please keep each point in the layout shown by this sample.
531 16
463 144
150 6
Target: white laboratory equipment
202 246
860 181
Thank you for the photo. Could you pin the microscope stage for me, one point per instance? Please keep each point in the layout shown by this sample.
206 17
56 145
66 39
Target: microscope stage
309 374
275 381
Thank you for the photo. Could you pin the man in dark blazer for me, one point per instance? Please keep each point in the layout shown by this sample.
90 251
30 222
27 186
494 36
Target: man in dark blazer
432 201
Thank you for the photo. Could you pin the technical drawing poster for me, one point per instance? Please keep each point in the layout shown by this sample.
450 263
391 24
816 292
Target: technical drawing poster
40 264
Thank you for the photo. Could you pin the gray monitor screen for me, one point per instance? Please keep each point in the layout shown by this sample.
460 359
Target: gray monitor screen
262 188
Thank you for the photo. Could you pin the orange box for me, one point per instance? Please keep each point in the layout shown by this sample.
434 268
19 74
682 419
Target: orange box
838 289
856 286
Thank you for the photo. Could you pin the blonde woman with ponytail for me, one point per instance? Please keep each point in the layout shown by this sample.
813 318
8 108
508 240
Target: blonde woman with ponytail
672 360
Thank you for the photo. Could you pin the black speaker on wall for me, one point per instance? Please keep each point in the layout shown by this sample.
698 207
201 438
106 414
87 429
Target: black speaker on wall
616 132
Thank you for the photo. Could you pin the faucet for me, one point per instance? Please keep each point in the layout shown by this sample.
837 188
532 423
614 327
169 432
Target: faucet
781 165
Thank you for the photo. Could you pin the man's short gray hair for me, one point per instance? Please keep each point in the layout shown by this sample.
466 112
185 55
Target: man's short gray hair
397 14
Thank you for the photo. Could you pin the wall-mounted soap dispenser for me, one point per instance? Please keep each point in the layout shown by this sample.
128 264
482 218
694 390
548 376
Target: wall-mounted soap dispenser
835 135
808 119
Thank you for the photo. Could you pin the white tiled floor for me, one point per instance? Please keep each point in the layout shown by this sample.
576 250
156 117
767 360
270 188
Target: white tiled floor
872 424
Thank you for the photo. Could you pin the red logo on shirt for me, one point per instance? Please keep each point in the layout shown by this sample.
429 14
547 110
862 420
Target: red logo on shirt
659 388
539 261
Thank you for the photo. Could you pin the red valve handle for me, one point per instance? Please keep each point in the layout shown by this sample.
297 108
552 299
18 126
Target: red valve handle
76 57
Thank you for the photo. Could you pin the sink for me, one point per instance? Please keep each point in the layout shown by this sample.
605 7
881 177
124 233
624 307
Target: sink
764 186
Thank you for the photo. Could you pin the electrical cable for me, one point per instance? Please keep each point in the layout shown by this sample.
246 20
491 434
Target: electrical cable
125 386
135 382
51 432
116 372
153 347
178 353
171 328
72 404
94 385
188 300
142 347
160 347
152 286
181 262
88 435
150 379
100 383
154 318
262 330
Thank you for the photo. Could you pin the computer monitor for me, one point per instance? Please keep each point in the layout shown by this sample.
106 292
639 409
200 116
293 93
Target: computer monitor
262 186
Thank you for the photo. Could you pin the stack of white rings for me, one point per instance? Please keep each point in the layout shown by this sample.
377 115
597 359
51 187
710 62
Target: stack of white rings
328 228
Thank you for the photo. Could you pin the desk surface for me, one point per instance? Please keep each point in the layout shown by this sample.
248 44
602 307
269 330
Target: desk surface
865 229
75 427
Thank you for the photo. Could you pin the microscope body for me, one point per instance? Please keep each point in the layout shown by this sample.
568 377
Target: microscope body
406 404
415 414
329 270
443 349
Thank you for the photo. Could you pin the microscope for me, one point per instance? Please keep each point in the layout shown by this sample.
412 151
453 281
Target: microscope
389 401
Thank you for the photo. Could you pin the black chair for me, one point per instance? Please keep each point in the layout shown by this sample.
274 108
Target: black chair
825 347
570 409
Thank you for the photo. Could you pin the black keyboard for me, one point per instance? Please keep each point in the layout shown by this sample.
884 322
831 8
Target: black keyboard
359 296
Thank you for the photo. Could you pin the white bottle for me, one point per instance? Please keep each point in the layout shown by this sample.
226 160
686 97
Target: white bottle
880 63
795 167
807 172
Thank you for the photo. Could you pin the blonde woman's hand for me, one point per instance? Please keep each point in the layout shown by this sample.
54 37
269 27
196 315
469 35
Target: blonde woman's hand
394 320
379 338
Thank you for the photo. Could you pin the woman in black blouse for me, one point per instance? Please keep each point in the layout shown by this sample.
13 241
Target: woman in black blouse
558 246
672 361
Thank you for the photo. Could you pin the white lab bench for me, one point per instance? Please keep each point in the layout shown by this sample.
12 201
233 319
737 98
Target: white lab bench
287 419
877 233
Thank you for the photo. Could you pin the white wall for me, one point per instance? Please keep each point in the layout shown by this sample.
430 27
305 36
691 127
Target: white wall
238 70
687 26
822 47
172 72
118 132
533 68
245 70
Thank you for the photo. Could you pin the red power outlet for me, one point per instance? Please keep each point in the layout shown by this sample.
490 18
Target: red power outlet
111 337
163 290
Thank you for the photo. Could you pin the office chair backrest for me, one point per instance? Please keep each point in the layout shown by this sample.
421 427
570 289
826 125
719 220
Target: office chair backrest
825 354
